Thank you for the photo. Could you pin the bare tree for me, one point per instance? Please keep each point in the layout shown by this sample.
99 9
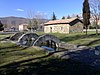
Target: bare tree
95 11
33 19
39 16
30 15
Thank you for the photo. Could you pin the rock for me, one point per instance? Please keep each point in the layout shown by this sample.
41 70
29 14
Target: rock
97 50
67 46
83 47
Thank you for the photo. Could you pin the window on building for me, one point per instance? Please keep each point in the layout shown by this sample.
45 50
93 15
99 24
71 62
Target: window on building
50 29
61 28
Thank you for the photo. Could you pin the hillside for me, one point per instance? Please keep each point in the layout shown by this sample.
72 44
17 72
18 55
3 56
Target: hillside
15 21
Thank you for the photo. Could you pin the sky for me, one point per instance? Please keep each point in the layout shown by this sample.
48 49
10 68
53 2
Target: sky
20 8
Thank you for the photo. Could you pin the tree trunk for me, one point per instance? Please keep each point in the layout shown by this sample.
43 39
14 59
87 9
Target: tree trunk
86 30
31 30
96 26
96 29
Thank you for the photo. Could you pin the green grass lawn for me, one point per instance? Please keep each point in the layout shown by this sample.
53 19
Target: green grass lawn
5 35
80 38
74 38
10 52
16 60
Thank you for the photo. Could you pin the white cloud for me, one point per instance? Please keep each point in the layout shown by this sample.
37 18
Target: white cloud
19 10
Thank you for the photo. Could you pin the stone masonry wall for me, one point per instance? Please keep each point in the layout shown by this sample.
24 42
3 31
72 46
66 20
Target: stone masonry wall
58 28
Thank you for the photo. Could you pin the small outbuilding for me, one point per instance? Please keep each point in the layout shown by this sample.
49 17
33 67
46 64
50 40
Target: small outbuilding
23 27
98 22
64 26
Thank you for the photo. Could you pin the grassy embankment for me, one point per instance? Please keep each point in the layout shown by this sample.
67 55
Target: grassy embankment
33 61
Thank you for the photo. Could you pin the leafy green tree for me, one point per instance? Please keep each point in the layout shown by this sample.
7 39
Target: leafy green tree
63 17
86 14
1 26
53 17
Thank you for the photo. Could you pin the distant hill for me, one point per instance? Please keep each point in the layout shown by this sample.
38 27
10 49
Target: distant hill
12 21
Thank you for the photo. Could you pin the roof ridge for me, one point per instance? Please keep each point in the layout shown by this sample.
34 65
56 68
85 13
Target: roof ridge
61 21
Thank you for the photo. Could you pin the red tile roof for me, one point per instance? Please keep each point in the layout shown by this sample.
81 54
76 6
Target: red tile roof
60 21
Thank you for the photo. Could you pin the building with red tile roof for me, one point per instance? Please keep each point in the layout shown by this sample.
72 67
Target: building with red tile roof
64 26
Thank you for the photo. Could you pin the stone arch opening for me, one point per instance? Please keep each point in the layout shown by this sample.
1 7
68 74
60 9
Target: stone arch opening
16 36
27 39
49 43
47 40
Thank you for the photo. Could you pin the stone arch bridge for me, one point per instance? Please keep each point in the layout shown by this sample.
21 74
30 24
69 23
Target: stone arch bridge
32 39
